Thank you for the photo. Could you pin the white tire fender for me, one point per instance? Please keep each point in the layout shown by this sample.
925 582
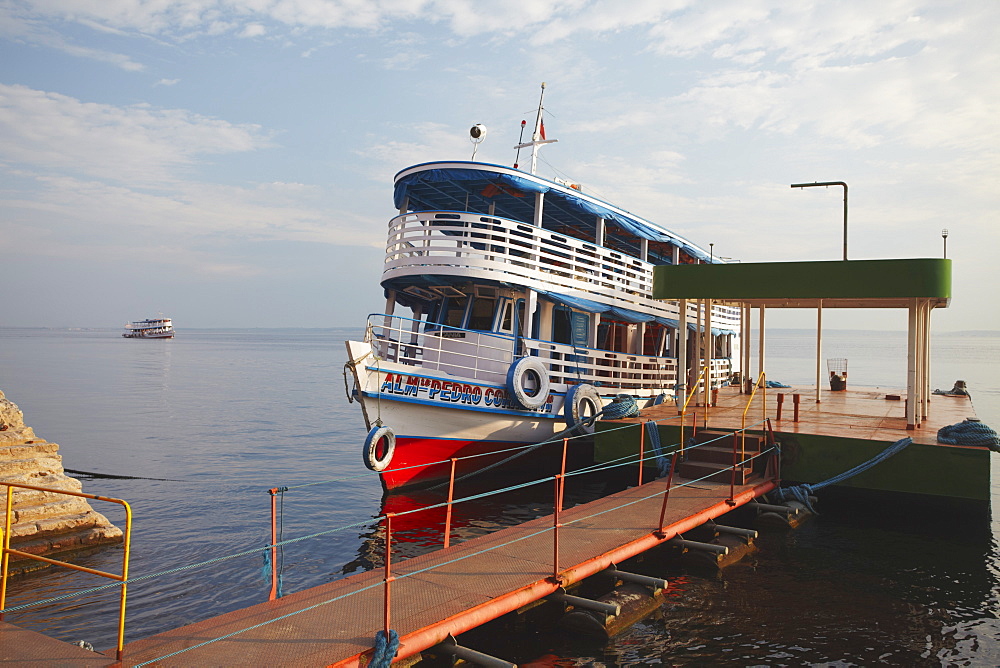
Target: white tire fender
380 445
524 370
582 402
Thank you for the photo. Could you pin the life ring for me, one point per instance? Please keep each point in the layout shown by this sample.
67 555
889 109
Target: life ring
582 403
528 369
380 444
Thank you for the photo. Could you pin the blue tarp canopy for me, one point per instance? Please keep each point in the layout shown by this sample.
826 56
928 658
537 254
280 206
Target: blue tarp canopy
611 312
472 186
715 330
622 314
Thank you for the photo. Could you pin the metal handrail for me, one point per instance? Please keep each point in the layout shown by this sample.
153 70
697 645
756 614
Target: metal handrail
743 424
7 550
704 370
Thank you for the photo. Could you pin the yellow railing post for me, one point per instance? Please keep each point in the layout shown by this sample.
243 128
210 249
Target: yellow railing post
743 423
5 547
7 551
685 406
124 593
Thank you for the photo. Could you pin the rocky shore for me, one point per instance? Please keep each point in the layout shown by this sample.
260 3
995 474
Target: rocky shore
44 523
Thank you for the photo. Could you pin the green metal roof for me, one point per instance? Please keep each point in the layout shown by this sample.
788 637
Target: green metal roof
839 284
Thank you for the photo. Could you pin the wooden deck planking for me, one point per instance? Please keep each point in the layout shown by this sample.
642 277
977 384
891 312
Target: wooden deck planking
862 413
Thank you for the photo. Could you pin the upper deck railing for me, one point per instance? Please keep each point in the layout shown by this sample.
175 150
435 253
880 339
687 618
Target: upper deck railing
481 246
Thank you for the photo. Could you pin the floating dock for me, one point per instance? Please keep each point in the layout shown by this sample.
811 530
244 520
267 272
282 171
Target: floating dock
822 440
448 591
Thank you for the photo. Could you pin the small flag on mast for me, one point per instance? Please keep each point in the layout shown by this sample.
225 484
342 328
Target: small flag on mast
541 129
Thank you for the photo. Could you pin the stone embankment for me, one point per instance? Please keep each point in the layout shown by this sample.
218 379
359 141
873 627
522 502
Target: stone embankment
44 523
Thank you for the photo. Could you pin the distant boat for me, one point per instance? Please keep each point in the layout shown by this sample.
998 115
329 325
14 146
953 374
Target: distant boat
153 328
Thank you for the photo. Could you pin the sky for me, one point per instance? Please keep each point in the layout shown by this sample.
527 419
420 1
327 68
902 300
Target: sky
229 163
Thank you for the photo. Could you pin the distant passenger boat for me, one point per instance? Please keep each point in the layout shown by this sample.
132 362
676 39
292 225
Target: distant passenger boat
154 328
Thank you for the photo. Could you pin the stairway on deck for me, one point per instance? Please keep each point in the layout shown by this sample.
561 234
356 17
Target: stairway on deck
712 457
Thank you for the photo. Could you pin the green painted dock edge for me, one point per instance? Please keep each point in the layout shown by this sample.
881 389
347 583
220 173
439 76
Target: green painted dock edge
855 279
922 469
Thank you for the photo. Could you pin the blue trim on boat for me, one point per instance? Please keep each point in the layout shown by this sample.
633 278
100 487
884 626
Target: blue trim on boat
466 407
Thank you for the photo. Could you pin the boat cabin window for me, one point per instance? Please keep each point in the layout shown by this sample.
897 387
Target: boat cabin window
562 330
454 311
481 313
506 322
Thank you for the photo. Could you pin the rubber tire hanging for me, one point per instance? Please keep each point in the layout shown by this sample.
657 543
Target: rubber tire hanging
376 458
520 371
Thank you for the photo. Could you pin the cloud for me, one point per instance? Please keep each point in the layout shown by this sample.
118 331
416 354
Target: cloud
404 60
99 182
138 143
31 27
167 82
186 18
253 30
424 142
66 217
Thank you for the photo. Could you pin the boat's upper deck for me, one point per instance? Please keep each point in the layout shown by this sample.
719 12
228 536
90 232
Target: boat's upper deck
492 224
512 194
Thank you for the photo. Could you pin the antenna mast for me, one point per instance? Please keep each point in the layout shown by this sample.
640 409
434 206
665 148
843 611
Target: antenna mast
538 136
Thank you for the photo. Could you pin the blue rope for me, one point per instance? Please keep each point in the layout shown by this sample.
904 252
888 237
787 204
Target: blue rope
662 461
798 493
265 570
969 432
385 651
622 406
802 492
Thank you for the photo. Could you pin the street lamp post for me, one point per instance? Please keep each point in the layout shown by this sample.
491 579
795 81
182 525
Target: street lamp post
944 238
831 183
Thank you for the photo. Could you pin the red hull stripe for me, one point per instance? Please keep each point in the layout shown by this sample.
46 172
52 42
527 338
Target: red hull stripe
413 461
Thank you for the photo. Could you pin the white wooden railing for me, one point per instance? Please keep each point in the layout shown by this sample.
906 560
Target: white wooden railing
478 246
485 356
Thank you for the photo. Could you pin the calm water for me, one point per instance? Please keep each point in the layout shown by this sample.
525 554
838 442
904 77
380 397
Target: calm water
220 416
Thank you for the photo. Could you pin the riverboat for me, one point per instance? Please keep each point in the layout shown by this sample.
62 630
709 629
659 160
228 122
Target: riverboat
530 308
152 328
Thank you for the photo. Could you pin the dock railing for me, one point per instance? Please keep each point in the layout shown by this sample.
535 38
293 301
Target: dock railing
388 520
8 551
